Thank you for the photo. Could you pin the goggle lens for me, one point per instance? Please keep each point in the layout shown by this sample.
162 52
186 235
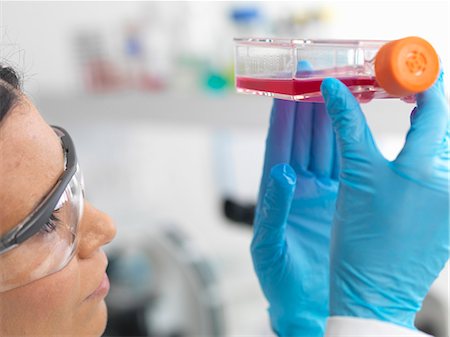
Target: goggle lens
50 249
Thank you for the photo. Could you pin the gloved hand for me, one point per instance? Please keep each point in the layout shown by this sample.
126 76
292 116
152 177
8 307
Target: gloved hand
390 235
290 247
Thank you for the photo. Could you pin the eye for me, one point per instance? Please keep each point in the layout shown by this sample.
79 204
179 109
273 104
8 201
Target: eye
52 223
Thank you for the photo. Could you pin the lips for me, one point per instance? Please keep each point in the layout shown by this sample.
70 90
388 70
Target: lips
102 290
103 285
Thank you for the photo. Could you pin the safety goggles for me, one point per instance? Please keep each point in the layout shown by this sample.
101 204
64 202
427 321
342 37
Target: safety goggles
46 240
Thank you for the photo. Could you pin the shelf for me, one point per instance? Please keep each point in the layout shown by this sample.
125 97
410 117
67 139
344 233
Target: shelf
227 110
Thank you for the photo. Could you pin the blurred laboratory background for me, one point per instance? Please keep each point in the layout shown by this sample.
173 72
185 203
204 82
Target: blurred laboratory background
173 153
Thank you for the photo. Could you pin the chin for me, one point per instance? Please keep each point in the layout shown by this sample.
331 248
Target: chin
96 323
102 319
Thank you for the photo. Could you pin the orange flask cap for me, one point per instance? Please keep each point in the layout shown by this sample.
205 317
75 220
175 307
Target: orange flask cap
407 66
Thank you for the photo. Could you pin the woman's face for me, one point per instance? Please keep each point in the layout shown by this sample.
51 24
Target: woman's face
66 302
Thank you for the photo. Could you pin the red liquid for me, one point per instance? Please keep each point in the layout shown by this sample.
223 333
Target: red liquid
364 88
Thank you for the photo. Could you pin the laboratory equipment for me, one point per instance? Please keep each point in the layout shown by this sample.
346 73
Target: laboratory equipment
293 69
161 285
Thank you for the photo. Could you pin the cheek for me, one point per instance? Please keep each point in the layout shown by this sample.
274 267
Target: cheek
45 306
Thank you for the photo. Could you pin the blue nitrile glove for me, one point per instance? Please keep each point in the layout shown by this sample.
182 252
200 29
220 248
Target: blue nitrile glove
390 235
290 247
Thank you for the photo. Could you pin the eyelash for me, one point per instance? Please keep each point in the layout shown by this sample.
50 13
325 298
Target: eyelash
52 223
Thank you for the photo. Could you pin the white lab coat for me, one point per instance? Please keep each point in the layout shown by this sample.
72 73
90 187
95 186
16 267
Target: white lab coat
360 327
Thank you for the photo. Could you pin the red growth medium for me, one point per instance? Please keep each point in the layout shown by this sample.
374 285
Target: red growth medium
364 88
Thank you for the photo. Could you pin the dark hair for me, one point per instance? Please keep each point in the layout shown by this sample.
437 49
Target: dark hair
9 87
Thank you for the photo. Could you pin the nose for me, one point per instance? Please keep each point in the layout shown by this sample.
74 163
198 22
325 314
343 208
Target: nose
96 230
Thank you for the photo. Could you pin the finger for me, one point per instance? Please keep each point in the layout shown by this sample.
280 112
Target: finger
279 137
354 138
301 147
270 221
303 126
304 69
429 123
336 160
322 148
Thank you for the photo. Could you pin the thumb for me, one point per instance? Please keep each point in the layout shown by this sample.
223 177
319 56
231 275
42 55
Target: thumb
271 216
354 138
429 123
